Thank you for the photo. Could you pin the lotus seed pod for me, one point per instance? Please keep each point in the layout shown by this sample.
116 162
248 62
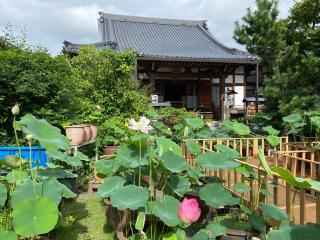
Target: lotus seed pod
15 109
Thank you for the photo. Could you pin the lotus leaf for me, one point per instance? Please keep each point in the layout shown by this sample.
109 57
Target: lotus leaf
193 147
12 162
130 196
17 177
241 129
194 123
271 131
167 210
8 235
110 185
3 195
273 140
48 188
167 145
290 179
216 196
214 161
50 137
35 217
231 153
129 156
204 134
272 211
241 187
291 231
179 184
173 162
264 162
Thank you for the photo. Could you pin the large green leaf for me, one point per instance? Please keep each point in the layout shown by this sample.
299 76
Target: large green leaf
211 232
70 160
35 217
110 185
49 136
55 173
130 196
292 118
264 162
167 145
202 234
167 210
193 147
216 230
257 222
48 188
231 153
241 129
290 179
12 162
17 177
104 167
215 160
216 196
8 235
204 134
272 211
194 123
173 162
241 187
129 156
273 140
292 231
179 184
3 195
271 131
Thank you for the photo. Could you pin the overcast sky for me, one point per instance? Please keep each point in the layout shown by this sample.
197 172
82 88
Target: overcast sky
50 22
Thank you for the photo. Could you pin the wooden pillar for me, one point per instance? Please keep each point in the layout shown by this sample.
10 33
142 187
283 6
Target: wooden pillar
257 86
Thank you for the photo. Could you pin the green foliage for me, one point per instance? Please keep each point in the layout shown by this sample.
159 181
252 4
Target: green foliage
167 210
261 32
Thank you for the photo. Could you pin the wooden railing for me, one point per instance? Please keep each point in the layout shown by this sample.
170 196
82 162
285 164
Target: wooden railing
282 193
247 147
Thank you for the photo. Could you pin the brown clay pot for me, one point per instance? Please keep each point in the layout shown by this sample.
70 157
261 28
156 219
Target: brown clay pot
75 133
87 133
110 150
233 234
94 132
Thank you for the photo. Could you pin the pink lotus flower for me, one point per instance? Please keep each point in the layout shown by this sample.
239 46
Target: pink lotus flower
189 210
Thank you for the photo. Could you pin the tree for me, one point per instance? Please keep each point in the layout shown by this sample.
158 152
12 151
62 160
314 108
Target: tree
295 85
261 32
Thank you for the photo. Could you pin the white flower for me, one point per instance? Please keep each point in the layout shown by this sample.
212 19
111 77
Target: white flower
142 126
15 109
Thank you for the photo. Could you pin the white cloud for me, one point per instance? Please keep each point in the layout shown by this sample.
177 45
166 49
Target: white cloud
49 22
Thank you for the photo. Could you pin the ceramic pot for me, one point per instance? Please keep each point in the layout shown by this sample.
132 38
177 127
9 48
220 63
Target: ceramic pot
75 133
110 150
87 133
94 132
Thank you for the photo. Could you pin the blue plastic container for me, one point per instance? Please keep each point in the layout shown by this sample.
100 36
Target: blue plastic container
39 155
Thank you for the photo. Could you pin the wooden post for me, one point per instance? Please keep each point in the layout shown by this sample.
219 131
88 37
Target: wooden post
275 190
257 87
317 207
255 147
288 200
302 206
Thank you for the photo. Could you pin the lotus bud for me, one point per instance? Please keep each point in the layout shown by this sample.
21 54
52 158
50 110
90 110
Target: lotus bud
189 211
15 109
29 138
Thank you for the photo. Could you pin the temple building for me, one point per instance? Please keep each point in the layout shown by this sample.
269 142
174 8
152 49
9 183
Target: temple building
184 63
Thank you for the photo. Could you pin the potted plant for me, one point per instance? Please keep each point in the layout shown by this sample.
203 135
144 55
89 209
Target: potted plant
110 134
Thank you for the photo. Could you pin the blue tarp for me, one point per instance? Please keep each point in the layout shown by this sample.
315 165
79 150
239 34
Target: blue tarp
39 155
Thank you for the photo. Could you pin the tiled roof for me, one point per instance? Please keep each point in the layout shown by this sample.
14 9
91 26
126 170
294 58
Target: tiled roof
163 39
